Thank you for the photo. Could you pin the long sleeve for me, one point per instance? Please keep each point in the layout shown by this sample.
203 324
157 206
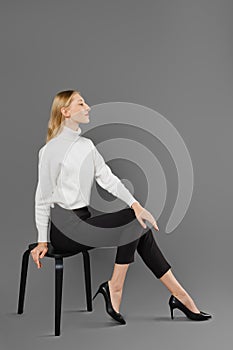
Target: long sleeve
110 182
47 173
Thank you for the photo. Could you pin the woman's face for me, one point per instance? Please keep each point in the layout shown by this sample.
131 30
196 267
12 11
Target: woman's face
78 110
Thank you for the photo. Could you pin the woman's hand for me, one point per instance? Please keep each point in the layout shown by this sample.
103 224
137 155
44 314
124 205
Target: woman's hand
39 252
143 214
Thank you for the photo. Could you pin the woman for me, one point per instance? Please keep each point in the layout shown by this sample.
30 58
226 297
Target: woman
68 110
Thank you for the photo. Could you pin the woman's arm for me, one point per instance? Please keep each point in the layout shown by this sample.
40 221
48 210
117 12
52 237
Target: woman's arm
47 172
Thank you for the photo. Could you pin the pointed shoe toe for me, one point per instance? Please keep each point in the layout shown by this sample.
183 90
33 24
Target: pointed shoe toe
206 314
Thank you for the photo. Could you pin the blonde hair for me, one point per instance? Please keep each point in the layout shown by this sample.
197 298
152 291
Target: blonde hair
56 120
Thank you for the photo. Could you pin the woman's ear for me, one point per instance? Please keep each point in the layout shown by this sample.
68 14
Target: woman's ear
65 112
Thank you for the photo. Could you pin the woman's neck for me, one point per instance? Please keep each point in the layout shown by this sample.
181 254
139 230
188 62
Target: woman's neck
69 133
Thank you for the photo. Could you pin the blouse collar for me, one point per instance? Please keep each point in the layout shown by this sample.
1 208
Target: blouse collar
69 133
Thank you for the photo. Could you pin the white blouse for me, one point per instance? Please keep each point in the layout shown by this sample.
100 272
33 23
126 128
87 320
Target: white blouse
67 166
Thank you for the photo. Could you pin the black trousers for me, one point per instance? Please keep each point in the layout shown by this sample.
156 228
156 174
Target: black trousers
146 245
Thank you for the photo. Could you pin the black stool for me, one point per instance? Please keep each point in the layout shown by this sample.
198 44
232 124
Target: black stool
58 256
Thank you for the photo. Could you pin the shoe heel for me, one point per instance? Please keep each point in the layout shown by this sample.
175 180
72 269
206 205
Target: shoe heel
172 313
95 294
171 309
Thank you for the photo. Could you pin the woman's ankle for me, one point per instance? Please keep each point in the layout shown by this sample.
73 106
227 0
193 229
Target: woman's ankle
181 294
115 288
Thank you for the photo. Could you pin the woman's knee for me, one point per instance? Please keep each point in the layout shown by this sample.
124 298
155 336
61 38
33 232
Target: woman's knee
147 235
146 241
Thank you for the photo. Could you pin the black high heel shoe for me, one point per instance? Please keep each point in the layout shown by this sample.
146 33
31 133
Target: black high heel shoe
104 289
174 303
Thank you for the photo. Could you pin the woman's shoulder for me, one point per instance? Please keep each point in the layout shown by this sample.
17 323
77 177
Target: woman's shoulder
54 147
49 149
88 142
47 146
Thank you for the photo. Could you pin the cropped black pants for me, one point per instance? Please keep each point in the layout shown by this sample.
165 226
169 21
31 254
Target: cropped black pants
146 245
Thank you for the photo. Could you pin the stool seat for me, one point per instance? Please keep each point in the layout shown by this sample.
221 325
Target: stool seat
58 256
52 252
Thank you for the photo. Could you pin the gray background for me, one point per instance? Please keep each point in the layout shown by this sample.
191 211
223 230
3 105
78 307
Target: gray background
172 56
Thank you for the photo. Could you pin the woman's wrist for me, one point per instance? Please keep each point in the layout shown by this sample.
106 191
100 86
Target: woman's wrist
136 205
43 243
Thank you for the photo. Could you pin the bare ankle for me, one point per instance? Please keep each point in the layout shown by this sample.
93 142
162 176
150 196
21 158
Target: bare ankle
180 294
115 287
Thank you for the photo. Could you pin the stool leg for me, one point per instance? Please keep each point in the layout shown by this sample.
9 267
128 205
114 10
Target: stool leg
58 293
87 271
24 269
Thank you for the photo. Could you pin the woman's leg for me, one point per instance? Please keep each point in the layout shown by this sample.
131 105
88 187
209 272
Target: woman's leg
169 280
151 255
63 243
155 260
116 284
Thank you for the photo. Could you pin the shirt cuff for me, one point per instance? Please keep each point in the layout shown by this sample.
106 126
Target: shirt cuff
42 234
